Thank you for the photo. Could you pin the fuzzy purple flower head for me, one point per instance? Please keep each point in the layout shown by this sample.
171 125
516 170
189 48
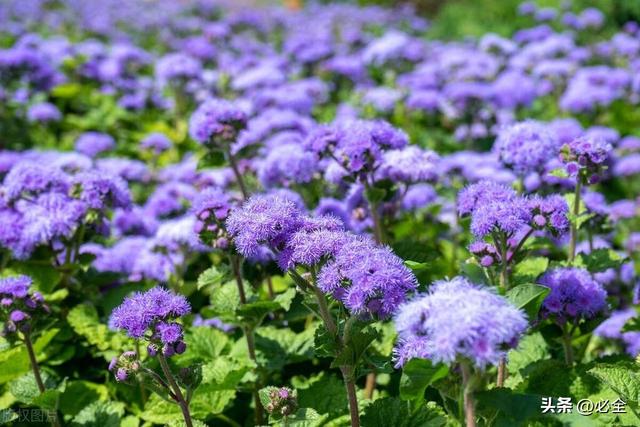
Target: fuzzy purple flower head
574 294
526 147
585 158
156 142
263 220
93 143
154 312
370 280
550 213
211 208
217 122
43 112
457 319
18 305
475 195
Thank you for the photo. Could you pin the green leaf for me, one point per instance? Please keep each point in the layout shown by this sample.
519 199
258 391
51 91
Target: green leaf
204 344
622 377
392 411
277 347
286 298
254 312
213 276
473 271
357 337
84 320
100 414
79 394
530 349
212 159
375 195
224 302
528 297
529 269
559 173
25 389
324 343
325 393
417 375
14 361
507 407
600 260
416 266
66 90
303 417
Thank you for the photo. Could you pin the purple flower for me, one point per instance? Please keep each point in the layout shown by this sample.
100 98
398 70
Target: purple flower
216 120
142 310
211 208
93 143
507 217
481 193
29 178
177 68
168 333
156 142
612 329
586 156
15 286
263 220
457 319
43 112
287 164
419 196
410 164
574 294
99 190
550 213
526 147
368 279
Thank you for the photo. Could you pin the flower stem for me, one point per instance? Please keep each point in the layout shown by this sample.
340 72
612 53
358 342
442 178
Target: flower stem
248 333
347 375
469 403
36 372
236 172
574 225
34 363
567 344
184 406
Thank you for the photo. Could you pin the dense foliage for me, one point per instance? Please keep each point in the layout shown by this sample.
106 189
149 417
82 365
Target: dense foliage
216 215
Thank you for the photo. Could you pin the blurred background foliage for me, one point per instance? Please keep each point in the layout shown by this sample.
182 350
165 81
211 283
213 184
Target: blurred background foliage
456 19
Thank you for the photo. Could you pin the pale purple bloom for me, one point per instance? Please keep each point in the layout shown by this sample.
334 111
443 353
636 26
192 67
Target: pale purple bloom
93 143
574 294
457 320
526 147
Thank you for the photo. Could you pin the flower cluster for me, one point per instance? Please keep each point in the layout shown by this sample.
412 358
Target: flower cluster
574 295
526 147
125 366
211 209
585 157
217 122
18 305
457 320
151 315
370 280
282 401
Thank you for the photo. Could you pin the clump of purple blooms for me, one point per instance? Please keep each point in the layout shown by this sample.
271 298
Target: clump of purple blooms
282 401
457 320
152 316
586 158
18 305
574 295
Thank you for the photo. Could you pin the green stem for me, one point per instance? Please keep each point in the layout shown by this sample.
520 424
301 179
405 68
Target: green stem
567 343
184 406
36 372
574 226
347 375
236 172
468 400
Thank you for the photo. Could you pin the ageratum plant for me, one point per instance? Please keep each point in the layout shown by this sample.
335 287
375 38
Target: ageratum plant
319 213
